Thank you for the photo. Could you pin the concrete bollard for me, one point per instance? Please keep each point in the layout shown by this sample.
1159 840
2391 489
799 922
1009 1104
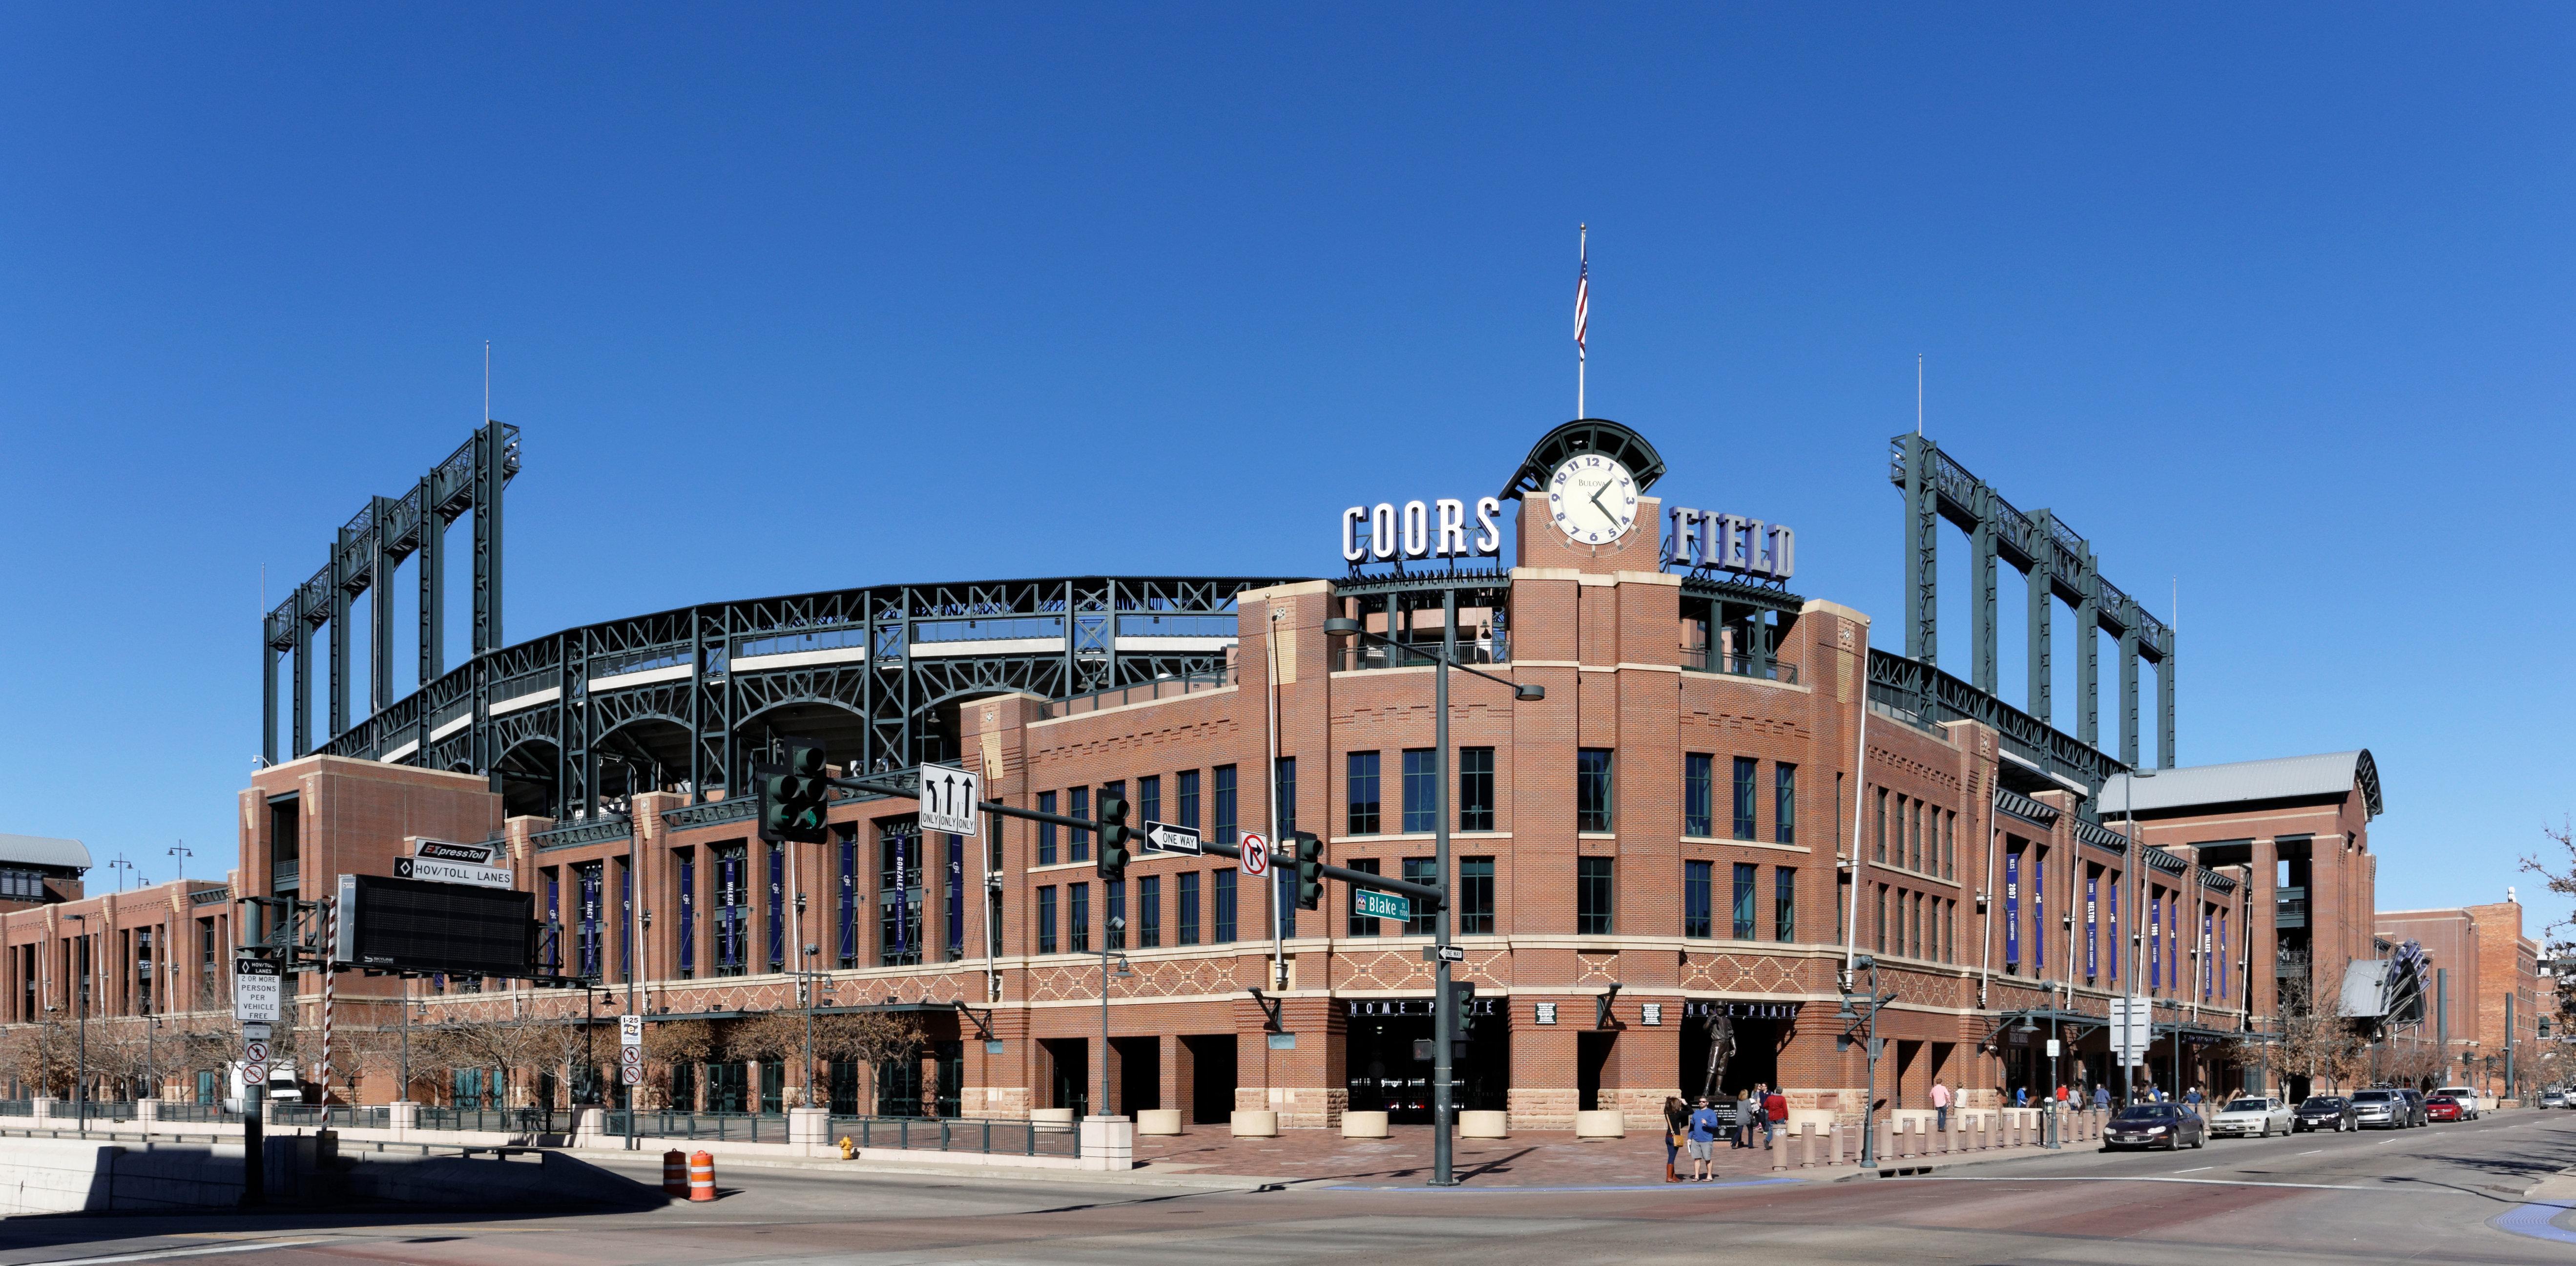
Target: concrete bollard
1883 1129
1834 1143
1779 1154
1806 1144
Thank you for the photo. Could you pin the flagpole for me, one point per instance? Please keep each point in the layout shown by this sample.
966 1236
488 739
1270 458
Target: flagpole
1582 307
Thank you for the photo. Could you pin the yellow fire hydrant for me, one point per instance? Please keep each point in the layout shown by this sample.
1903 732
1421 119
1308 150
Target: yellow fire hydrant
848 1149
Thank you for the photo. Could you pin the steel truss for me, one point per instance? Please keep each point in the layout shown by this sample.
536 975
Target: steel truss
2059 565
570 723
363 557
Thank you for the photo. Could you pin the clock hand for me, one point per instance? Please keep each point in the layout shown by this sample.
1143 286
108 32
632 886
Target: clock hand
1596 501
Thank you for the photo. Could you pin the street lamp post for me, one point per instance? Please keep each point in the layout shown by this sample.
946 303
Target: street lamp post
1869 1053
80 1007
1443 1022
2136 883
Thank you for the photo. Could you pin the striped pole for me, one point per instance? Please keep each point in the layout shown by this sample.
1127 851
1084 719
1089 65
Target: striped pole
330 938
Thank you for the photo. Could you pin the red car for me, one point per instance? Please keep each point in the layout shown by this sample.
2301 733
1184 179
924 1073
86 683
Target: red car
2442 1108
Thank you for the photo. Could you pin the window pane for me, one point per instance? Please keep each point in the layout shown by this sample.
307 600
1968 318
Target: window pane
1363 925
1046 830
1476 895
1878 830
1592 789
1149 911
1226 822
1593 895
1695 900
1149 798
1113 920
1361 787
1784 803
1421 870
1077 918
1283 792
1187 813
1784 904
1745 769
1046 919
1189 912
1475 789
1697 805
1078 805
1745 875
1224 901
1420 789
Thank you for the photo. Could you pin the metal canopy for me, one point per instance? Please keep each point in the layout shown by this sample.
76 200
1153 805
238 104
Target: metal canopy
1585 435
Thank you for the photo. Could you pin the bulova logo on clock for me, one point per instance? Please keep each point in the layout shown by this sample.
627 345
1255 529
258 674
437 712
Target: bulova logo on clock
1592 499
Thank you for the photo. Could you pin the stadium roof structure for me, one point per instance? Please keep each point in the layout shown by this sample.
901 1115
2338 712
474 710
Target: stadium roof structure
2283 778
43 850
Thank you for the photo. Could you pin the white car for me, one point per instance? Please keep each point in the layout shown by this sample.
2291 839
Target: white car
2259 1116
2468 1100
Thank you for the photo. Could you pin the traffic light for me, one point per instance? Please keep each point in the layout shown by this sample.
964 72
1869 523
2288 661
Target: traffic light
1310 871
792 795
1117 840
1462 1006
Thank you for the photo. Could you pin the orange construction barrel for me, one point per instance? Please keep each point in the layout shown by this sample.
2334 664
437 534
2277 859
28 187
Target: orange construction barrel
675 1173
702 1176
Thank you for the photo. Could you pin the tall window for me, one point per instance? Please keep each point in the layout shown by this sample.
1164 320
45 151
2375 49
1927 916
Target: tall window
1149 911
1223 900
1149 798
1360 793
1225 818
846 916
1421 789
899 891
1914 834
1740 910
1784 803
1362 924
1697 804
733 910
1475 789
1113 923
1949 849
1695 900
1046 830
955 911
1283 797
1421 870
1189 912
777 907
1784 903
1077 917
1746 768
1046 919
1878 831
1879 935
1078 805
1188 813
1475 896
688 913
1593 895
1592 789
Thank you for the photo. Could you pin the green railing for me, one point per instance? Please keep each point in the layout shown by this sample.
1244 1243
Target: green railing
943 1134
741 1127
494 1120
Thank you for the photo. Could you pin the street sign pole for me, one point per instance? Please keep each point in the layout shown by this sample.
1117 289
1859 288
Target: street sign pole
1444 1026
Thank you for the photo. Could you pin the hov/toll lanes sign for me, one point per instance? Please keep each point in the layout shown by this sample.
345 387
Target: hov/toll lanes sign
1255 861
258 992
1369 903
948 799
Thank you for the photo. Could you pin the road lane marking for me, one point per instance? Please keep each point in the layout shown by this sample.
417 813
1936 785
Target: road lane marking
154 1255
2191 1182
2195 1169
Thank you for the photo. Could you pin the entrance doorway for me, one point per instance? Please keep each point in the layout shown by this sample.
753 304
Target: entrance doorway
1140 1075
1207 1062
1385 1055
1754 1060
1591 1055
1069 1073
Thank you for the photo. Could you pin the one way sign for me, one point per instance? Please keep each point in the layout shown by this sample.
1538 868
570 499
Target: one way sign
1171 839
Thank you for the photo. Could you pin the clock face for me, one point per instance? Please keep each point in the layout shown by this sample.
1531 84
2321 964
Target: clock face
1592 499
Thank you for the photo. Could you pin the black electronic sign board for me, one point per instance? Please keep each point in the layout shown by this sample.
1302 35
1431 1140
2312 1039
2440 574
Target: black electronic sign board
414 925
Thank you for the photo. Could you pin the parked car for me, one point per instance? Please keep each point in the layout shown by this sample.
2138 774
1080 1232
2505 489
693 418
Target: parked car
2261 1116
2323 1112
2167 1125
2415 1101
2445 1108
2381 1110
2556 1098
2468 1097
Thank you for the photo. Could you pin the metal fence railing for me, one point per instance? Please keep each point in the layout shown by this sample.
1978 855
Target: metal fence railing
17 1108
1708 659
741 1127
493 1120
339 1115
198 1113
1010 1138
120 1110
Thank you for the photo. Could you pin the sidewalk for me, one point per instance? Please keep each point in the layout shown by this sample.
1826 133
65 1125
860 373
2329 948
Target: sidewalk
1529 1158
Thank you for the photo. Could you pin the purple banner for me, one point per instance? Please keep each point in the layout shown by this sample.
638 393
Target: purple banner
2208 965
2119 948
2092 925
2155 943
2039 915
2012 909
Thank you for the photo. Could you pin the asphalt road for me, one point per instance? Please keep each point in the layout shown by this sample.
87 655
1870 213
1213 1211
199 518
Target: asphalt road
2430 1195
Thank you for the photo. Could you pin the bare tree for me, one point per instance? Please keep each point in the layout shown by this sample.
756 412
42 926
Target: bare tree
41 1055
869 1039
670 1045
2316 1040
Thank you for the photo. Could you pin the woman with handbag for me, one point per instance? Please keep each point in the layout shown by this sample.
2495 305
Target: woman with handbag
1676 1133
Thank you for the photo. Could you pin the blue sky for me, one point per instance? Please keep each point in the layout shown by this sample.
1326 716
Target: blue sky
2272 303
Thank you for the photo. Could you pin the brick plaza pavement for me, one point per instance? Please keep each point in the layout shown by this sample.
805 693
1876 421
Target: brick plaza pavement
1527 1159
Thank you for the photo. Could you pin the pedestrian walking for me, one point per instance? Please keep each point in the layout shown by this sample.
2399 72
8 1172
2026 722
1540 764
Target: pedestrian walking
2021 1096
1940 1106
1702 1139
1676 1132
2102 1098
1775 1114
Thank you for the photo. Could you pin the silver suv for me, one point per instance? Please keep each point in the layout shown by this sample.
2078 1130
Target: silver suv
2381 1110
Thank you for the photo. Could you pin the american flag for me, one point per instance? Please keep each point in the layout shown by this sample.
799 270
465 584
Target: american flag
1582 299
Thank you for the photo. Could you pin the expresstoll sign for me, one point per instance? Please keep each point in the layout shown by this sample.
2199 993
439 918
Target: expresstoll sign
1418 529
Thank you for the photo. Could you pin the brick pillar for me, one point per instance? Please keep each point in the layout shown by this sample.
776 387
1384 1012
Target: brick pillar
2261 935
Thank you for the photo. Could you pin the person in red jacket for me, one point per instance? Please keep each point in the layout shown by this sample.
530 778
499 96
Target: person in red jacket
1775 1113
